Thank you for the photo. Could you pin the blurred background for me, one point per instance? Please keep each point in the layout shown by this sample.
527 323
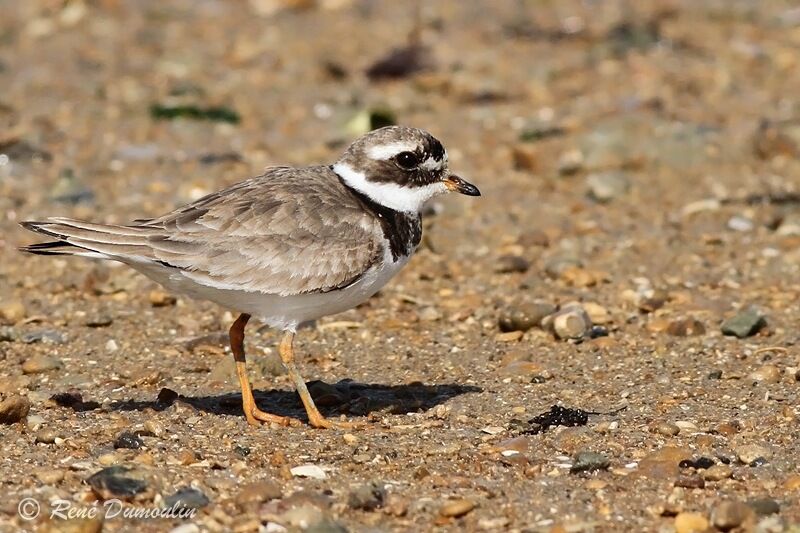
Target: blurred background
641 158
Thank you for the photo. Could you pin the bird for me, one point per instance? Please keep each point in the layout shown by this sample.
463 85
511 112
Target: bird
288 247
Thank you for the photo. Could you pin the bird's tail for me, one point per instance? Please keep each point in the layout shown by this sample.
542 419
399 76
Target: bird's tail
76 237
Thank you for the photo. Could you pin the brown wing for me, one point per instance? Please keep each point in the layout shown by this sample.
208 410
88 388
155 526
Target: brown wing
289 231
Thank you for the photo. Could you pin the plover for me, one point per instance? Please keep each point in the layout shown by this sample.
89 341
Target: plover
287 247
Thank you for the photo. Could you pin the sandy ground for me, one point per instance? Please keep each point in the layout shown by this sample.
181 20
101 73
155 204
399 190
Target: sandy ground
639 163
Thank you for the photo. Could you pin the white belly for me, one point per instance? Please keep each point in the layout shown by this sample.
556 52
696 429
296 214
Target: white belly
281 312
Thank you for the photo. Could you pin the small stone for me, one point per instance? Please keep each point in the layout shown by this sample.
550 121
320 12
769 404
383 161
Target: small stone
395 505
166 396
556 266
46 436
111 345
792 482
429 314
98 321
12 311
606 186
766 374
49 336
456 508
525 157
690 482
123 482
750 453
571 323
367 497
731 514
40 363
764 506
740 223
597 313
690 523
686 327
14 408
49 476
187 498
128 440
524 316
350 439
667 429
663 463
8 334
570 162
745 323
309 470
160 298
589 462
258 492
153 428
508 264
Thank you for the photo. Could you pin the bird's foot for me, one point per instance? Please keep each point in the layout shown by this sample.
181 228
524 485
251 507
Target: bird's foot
256 417
326 423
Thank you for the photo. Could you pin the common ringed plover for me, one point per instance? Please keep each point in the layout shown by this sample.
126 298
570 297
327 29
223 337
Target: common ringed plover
287 247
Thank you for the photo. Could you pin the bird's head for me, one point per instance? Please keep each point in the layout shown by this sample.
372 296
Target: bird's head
400 168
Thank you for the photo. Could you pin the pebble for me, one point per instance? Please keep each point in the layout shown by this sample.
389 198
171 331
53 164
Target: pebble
98 321
128 440
187 498
159 298
123 482
764 506
571 323
50 336
525 157
429 314
12 311
589 462
690 523
166 396
14 408
750 453
570 162
690 481
740 223
607 186
556 266
258 492
731 514
456 508
8 334
367 497
46 436
524 316
40 363
745 323
309 470
792 482
509 264
718 473
766 374
597 313
686 327
665 428
49 476
663 463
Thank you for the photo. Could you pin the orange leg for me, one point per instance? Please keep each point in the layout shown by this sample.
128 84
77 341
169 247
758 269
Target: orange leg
253 414
315 418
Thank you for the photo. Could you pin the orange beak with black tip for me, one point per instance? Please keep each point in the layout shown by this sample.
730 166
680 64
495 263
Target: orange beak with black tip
454 183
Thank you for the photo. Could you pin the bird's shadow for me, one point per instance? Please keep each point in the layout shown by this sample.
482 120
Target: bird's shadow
345 397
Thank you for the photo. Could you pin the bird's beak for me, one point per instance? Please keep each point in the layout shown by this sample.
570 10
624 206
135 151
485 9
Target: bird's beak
454 183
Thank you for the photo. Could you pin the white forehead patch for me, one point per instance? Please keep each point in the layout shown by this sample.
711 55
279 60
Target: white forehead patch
391 195
382 152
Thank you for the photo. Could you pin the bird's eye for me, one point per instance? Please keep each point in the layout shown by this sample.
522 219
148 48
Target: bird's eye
407 160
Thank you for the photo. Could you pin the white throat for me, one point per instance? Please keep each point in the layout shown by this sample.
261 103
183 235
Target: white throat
391 195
